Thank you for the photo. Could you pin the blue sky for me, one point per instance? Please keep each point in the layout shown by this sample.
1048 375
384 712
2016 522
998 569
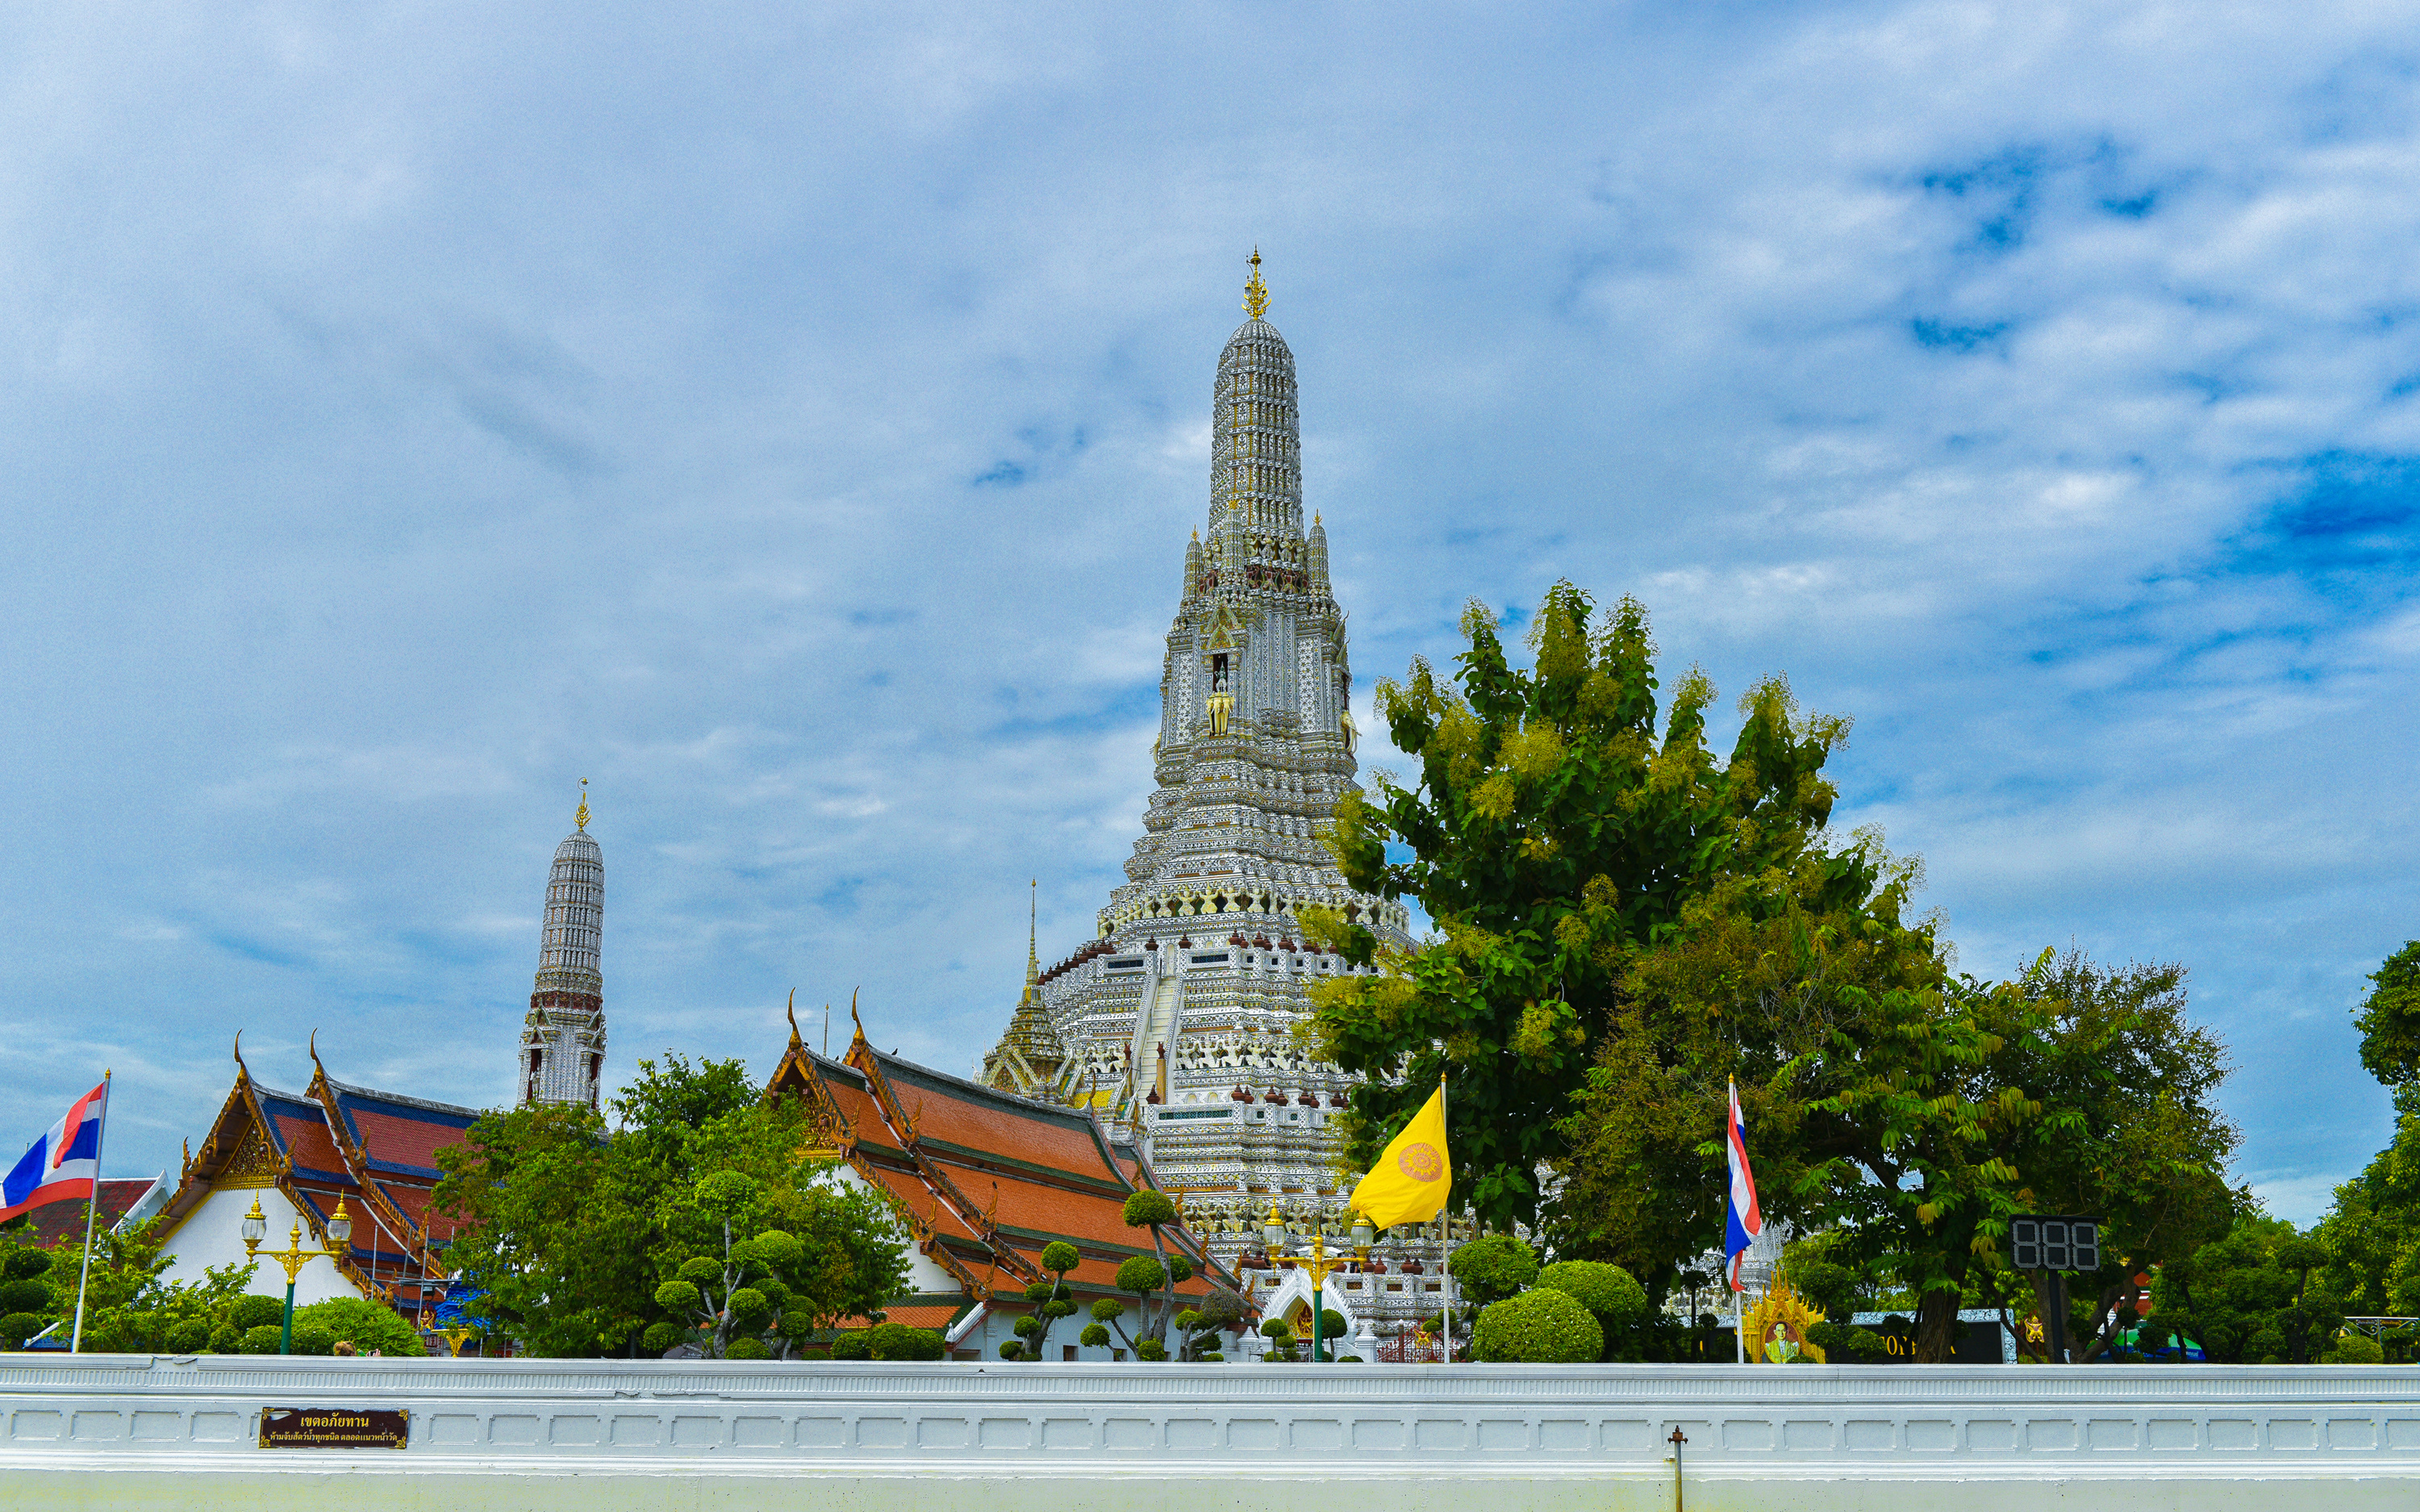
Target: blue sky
791 419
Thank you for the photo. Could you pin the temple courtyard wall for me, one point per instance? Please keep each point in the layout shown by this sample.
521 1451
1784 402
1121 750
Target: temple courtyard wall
127 1432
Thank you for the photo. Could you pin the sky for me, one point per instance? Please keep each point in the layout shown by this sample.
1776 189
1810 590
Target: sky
791 418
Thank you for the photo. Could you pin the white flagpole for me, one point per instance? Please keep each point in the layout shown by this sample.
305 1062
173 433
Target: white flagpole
1445 1229
91 1210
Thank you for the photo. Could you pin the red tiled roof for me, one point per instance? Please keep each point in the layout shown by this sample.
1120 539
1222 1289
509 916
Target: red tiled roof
306 1140
55 1221
403 1141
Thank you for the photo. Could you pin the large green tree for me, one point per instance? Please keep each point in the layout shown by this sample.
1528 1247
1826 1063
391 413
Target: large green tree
1551 831
2372 1233
575 1232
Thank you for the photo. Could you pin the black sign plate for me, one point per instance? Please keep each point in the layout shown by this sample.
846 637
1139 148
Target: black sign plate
333 1427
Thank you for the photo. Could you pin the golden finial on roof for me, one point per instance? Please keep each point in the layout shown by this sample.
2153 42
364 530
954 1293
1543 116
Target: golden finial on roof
582 816
791 1011
1256 294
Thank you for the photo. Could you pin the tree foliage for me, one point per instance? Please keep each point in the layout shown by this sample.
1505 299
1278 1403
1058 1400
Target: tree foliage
1552 832
2254 1297
1540 1327
583 1239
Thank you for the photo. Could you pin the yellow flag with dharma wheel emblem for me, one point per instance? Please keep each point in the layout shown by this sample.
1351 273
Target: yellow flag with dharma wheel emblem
1409 1182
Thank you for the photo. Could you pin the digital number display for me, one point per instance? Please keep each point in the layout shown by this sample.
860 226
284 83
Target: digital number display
2042 1244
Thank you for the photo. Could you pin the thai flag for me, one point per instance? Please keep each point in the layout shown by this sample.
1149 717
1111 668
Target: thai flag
1742 1223
63 1164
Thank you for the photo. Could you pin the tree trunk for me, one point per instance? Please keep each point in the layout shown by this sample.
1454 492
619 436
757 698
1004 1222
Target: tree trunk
1936 1327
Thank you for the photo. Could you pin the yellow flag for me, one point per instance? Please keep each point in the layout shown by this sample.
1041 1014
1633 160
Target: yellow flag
1409 1183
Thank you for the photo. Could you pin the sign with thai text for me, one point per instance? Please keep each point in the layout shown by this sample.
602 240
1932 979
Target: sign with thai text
333 1427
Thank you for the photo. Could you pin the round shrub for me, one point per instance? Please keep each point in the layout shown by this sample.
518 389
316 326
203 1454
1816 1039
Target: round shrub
226 1339
262 1339
313 1338
662 1336
1846 1344
1493 1267
1188 1321
1061 1308
16 1328
778 1249
1331 1325
1607 1290
1180 1270
1211 1357
1140 1272
189 1337
1041 1291
1108 1309
1278 1329
1148 1208
852 1344
678 1296
25 1263
1027 1326
1152 1350
897 1341
1223 1309
2355 1348
27 1295
1537 1328
700 1269
1349 1359
1093 1337
748 1305
1060 1256
747 1347
370 1325
252 1309
1011 1350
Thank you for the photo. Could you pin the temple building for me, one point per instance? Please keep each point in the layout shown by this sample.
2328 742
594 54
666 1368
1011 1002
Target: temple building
298 1154
1175 1023
562 1038
982 1181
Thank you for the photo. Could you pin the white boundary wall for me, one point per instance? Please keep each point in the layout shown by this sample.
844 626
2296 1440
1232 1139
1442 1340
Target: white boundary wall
137 1430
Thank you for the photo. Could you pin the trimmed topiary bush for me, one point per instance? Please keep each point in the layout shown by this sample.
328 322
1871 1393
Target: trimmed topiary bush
252 1309
897 1341
27 1294
1147 1208
851 1343
368 1324
1095 1336
1140 1272
747 1348
1617 1302
16 1328
312 1338
1493 1267
261 1339
1537 1328
2355 1348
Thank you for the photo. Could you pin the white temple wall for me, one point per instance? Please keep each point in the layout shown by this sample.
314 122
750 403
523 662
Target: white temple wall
212 1234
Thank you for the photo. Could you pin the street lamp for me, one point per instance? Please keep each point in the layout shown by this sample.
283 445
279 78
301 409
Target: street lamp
1317 1264
293 1257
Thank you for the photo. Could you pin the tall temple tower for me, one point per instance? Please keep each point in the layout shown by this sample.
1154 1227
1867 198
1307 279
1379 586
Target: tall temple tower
562 1039
1176 1022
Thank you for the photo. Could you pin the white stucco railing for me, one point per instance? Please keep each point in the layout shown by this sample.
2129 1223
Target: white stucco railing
1081 1435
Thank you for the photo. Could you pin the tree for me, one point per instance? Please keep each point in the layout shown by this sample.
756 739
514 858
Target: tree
2389 1019
1200 1328
1551 833
1051 1299
2372 1232
1153 1278
577 1235
366 1325
1540 1327
131 1305
2253 1297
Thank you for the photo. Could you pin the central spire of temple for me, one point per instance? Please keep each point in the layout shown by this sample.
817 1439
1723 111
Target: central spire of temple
1176 1022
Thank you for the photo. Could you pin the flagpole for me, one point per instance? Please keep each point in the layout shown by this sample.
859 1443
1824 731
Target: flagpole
1445 1228
91 1211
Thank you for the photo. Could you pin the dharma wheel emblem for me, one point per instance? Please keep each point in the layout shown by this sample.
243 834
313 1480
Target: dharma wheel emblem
1421 1163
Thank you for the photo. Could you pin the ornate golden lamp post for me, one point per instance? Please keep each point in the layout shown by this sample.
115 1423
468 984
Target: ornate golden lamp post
293 1257
1317 1263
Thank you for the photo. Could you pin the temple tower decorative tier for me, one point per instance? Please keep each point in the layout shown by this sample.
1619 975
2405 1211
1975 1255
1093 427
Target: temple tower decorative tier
562 1039
1176 1023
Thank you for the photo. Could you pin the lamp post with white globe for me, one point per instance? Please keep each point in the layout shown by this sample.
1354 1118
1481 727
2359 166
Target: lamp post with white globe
293 1257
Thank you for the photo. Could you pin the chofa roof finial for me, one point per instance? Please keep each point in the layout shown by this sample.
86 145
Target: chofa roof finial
793 1011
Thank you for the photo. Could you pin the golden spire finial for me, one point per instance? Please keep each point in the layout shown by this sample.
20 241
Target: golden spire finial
1033 934
582 817
1256 294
